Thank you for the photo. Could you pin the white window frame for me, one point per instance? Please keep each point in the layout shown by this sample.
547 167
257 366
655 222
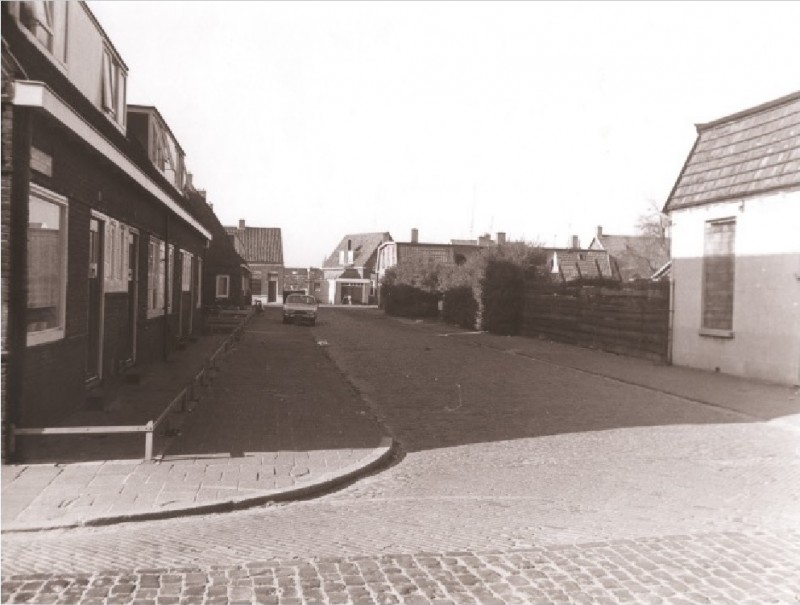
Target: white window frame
186 271
199 302
56 333
113 87
53 19
226 279
155 277
171 278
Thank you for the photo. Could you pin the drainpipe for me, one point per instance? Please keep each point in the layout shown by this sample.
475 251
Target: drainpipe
17 332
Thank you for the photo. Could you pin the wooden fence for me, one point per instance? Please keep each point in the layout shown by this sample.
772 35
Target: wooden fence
631 320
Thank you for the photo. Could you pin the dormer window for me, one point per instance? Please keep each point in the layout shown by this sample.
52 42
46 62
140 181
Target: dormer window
46 23
113 87
38 17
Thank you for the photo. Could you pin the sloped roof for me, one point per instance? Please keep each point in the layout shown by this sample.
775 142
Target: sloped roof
636 256
363 245
744 154
221 252
261 244
582 264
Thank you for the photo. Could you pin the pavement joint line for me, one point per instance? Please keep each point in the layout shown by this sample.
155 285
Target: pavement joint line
384 452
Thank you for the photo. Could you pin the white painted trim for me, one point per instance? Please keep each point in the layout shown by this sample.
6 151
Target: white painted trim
38 94
53 334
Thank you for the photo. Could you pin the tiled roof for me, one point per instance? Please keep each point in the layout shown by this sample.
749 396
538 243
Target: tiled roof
745 154
221 252
261 244
582 264
636 256
363 245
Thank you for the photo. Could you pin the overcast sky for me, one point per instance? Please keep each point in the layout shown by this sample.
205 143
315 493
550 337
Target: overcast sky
537 119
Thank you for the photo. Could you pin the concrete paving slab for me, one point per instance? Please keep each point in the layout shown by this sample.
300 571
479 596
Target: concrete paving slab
240 446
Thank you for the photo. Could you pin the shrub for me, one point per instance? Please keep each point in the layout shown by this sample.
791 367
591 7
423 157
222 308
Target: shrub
404 300
460 307
502 294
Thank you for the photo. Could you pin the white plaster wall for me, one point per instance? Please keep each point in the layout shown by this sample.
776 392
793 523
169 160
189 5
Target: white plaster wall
766 307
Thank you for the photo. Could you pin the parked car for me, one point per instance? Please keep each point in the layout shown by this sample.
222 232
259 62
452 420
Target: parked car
300 307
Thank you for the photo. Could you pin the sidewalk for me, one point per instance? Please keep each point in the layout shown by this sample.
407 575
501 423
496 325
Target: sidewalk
278 422
754 400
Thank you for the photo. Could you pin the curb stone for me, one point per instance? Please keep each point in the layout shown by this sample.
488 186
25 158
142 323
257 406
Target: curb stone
323 483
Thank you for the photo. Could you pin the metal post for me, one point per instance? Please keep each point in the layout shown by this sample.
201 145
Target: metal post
148 441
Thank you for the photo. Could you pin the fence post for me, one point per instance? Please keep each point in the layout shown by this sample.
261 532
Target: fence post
148 441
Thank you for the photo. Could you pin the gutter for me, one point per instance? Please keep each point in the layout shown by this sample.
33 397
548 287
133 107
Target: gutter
38 95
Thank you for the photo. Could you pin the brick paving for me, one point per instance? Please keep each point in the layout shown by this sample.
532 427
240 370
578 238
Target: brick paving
724 568
278 416
521 480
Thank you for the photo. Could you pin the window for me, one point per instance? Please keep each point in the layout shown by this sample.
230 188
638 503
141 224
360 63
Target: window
718 275
199 277
186 271
114 85
223 286
170 277
46 23
115 278
155 277
47 265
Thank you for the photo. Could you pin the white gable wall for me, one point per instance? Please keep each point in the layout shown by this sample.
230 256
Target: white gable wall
765 343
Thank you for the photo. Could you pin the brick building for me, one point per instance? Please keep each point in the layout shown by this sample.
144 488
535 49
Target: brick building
101 253
303 280
350 271
225 280
262 249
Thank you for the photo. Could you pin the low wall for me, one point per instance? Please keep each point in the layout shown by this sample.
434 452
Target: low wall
631 320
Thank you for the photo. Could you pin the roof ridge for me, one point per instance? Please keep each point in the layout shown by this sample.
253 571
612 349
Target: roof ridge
794 96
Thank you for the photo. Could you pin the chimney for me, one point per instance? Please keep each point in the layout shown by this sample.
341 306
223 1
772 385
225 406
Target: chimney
241 223
189 179
599 230
202 193
501 238
210 205
414 235
576 243
485 240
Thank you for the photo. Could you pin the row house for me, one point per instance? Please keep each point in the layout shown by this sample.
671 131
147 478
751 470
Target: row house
102 256
225 275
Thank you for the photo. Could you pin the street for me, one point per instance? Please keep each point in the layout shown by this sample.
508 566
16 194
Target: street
516 481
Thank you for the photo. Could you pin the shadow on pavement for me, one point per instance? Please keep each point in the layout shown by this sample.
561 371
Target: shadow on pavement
439 386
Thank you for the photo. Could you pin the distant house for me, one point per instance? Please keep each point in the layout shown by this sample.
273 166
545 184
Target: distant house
576 264
735 214
634 256
262 250
349 272
225 275
392 254
304 280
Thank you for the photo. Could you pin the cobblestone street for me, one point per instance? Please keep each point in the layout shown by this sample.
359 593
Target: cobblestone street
518 481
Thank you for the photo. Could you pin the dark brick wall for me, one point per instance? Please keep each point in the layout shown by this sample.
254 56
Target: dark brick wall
5 218
54 372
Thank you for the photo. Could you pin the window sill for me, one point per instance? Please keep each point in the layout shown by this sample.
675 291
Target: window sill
45 336
711 333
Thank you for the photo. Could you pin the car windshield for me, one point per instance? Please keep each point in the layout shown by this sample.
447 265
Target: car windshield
299 298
